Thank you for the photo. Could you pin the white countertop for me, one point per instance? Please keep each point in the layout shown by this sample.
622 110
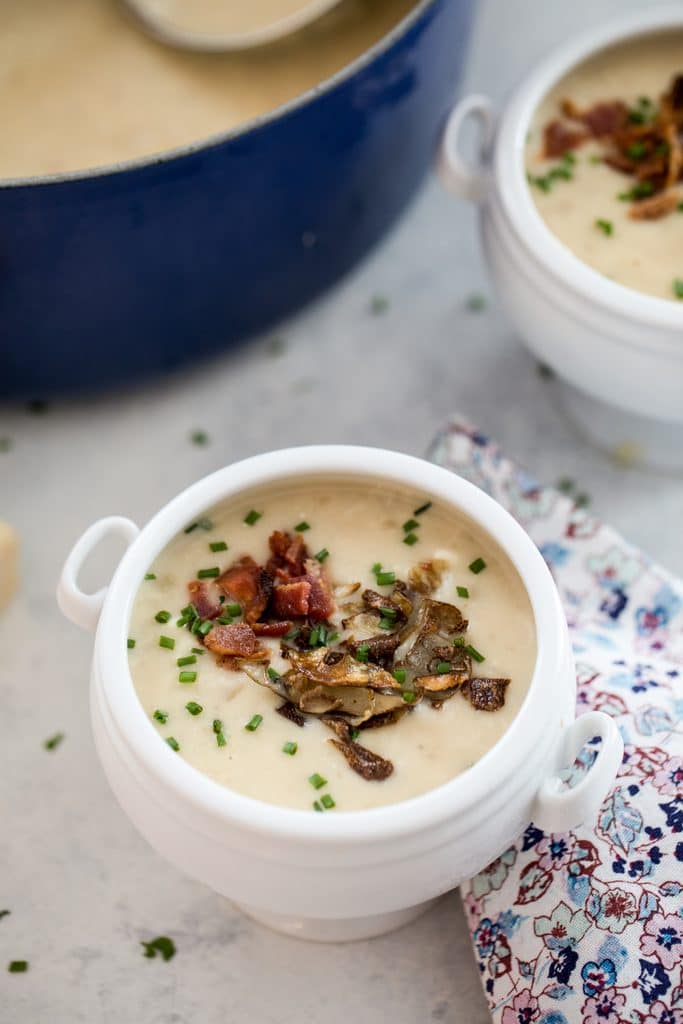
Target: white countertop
82 887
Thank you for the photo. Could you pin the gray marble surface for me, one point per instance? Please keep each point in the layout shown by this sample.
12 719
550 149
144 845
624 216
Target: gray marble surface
83 888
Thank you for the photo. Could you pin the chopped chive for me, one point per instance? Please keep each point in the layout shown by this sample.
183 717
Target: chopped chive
443 668
225 620
459 641
385 579
313 638
150 576
197 650
476 303
317 781
410 525
317 806
200 524
462 592
221 740
273 673
399 675
17 966
208 574
474 653
218 732
379 304
354 734
639 191
327 801
636 150
160 716
477 566
678 288
162 616
409 696
302 526
595 158
253 723
205 628
680 207
322 555
194 708
389 613
606 226
189 659
218 545
199 437
187 677
162 945
377 567
130 643
5 444
290 748
582 500
4 913
166 641
53 742
423 508
173 743
410 539
387 624
252 517
234 608
292 634
362 652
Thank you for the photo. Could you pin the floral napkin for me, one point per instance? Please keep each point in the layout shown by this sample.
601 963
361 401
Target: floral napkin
586 927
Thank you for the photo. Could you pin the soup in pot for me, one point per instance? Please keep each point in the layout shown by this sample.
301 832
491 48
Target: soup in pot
331 645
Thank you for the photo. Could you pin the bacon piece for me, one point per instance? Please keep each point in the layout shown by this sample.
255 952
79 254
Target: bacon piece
559 138
292 599
235 641
271 628
604 118
654 207
288 555
205 596
249 584
321 603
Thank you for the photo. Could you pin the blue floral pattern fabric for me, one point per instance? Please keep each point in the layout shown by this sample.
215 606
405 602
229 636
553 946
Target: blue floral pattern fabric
586 927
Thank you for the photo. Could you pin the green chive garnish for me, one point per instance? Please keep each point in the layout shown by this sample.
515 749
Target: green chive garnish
313 638
252 517
218 732
639 191
194 708
678 288
443 668
477 565
150 576
253 723
354 734
302 526
459 641
474 653
379 304
636 150
409 697
410 525
462 591
322 555
317 806
173 743
162 945
204 628
17 966
290 748
53 742
399 675
162 616
410 539
167 641
208 574
189 659
476 303
327 801
200 524
199 437
606 226
187 677
362 652
292 634
160 716
218 545
317 781
385 579
423 508
273 674
377 567
197 650
225 620
130 643
234 608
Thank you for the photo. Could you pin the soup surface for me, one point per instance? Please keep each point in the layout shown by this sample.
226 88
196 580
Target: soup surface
446 689
605 163
81 85
225 16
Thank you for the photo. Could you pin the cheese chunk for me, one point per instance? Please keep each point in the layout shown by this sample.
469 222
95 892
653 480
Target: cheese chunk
9 563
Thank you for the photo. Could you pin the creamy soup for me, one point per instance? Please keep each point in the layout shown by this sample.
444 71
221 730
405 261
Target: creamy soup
404 644
81 85
605 164
224 17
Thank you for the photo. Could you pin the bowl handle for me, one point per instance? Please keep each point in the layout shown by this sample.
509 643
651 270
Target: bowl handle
80 608
468 180
558 808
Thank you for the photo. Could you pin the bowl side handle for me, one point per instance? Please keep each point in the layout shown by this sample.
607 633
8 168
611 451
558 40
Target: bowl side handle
468 180
80 608
558 808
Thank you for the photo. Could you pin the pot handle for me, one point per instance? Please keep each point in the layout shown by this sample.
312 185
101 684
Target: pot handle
468 180
80 608
558 808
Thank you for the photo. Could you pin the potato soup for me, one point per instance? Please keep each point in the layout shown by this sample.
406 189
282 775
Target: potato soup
604 158
82 85
331 645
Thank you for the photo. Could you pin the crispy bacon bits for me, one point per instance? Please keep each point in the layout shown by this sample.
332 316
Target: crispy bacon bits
205 596
235 641
249 585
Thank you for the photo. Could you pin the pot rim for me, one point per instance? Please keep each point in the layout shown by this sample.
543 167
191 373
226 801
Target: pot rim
433 808
514 194
327 85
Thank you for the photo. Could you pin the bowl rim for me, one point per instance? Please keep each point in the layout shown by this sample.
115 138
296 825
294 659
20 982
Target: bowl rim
514 192
434 807
303 100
